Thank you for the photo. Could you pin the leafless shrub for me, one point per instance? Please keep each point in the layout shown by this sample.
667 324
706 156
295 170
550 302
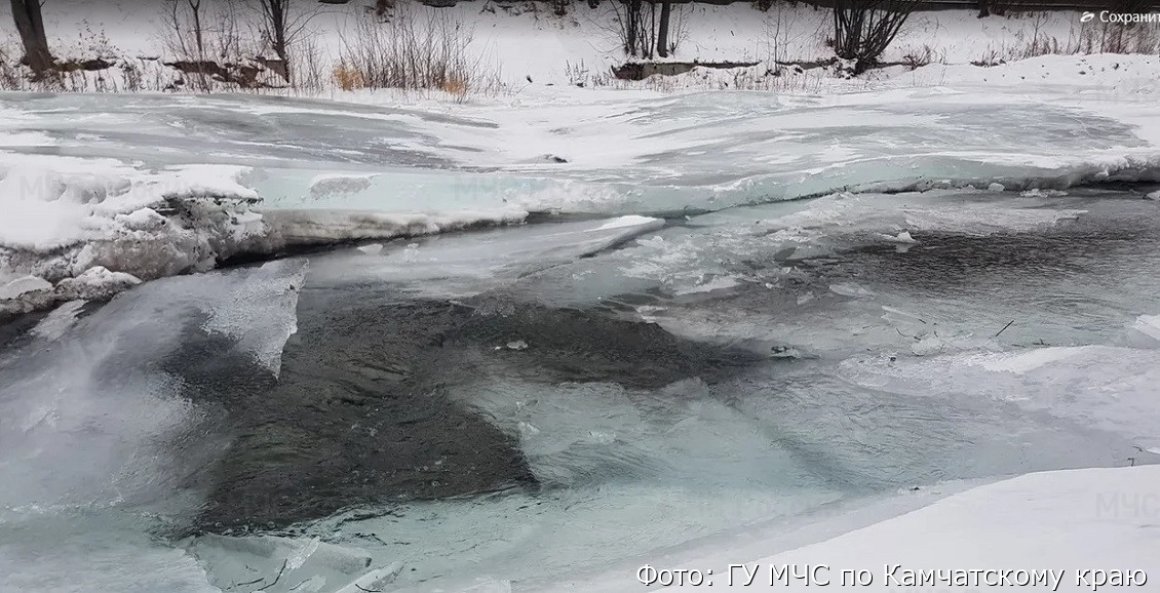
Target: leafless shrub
134 81
783 29
1040 43
10 76
418 48
918 58
185 35
646 29
207 44
383 8
863 29
310 72
989 58
578 74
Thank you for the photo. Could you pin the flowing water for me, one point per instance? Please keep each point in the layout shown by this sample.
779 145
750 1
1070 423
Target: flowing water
521 404
516 409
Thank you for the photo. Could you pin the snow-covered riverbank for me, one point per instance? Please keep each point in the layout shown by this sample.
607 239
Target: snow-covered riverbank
151 185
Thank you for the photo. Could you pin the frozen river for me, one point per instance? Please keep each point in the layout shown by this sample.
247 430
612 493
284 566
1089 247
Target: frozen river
666 355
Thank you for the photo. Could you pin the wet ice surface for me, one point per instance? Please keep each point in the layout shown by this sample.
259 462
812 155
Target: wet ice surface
695 152
151 186
492 408
521 407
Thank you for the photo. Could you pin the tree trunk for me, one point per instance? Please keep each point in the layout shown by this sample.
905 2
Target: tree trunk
277 29
30 25
633 9
663 31
199 37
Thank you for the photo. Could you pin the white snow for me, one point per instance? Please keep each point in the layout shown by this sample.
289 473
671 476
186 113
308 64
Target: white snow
711 285
1021 363
628 221
902 237
96 283
54 202
1065 521
1149 325
22 286
582 46
1068 521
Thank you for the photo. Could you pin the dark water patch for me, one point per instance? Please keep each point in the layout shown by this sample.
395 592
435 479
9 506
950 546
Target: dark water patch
14 329
566 345
948 260
360 414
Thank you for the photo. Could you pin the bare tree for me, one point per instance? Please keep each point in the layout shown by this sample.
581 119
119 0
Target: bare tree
663 30
629 19
863 29
186 38
30 25
184 21
198 28
646 31
282 25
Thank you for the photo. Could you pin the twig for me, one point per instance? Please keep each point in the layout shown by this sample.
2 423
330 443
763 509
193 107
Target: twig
276 577
249 582
1009 324
279 575
361 588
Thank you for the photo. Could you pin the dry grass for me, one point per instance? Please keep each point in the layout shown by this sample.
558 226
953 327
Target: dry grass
348 78
419 48
454 85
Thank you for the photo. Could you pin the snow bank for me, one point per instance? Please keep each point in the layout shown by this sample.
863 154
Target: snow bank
1067 521
58 202
96 283
87 228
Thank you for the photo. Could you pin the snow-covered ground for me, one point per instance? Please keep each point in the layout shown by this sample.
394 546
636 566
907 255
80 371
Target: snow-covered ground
583 45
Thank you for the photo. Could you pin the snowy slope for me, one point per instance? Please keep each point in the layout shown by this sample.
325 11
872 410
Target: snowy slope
1080 524
583 45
